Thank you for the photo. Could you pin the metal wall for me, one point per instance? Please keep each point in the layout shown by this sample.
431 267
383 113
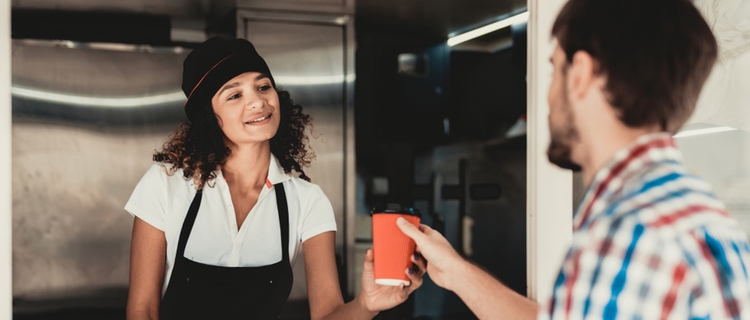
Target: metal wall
86 121
88 117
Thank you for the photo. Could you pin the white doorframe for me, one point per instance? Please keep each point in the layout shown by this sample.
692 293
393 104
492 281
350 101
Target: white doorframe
549 190
6 276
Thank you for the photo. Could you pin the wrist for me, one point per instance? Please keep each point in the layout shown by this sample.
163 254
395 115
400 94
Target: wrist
459 269
362 304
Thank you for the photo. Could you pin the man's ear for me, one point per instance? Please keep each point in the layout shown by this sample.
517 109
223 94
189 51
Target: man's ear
581 74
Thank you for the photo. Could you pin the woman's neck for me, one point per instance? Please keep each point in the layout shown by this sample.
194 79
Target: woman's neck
247 166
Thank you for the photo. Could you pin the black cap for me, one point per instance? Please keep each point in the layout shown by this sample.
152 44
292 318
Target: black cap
397 209
214 62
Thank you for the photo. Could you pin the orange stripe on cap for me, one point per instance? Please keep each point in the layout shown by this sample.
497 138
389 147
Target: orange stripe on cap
268 184
204 76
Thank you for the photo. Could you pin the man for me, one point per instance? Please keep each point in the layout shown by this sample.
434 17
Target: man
650 241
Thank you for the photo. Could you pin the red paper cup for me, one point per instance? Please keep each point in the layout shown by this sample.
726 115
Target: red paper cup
392 248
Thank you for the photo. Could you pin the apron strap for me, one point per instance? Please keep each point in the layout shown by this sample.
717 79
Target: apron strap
187 226
283 209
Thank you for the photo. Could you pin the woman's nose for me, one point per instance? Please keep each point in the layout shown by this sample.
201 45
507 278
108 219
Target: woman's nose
253 101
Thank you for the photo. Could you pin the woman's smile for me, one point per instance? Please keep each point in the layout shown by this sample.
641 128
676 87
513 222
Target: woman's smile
260 120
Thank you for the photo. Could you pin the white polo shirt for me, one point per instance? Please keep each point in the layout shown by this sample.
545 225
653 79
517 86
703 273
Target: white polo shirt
162 201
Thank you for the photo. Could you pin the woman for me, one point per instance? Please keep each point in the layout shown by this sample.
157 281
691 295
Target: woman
221 215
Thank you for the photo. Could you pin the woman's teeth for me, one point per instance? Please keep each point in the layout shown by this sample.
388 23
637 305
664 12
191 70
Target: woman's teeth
258 120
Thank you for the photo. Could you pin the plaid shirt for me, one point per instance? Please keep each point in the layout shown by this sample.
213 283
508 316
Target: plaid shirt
651 241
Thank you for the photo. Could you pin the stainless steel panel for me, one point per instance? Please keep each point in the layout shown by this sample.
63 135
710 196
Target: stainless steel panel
350 184
86 119
309 57
85 124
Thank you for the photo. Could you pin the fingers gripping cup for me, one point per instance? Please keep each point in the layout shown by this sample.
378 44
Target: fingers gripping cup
392 248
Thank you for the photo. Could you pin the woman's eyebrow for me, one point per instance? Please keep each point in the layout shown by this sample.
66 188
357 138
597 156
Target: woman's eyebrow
237 84
229 86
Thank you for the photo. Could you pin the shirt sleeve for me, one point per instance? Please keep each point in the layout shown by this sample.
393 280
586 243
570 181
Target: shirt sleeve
317 214
149 198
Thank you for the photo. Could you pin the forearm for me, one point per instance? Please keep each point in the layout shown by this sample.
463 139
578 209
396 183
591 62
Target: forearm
142 306
488 298
142 314
147 259
355 309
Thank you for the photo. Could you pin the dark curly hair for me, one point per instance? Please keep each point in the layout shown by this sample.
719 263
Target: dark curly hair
198 147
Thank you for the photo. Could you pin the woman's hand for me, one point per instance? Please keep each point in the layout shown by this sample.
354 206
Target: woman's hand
375 297
326 301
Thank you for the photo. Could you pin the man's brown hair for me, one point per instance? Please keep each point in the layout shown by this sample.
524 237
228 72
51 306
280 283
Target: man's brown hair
656 55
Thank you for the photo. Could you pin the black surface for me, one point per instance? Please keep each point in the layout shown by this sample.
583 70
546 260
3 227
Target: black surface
292 310
91 26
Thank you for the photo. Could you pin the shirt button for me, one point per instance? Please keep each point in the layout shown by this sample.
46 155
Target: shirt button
271 282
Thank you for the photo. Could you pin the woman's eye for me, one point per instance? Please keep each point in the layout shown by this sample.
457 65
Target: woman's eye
234 96
264 87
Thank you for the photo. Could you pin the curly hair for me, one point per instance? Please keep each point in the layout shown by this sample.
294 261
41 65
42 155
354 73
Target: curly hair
198 147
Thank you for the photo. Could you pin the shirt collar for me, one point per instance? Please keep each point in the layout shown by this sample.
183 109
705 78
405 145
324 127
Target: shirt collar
276 172
624 166
275 175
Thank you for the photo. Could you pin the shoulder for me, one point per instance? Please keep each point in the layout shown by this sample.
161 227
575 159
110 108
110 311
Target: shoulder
666 197
312 199
161 175
316 212
307 190
689 224
159 170
165 171
660 177
666 205
154 194
676 209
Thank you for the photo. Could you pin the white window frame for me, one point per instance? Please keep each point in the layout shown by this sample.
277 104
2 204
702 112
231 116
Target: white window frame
549 202
6 222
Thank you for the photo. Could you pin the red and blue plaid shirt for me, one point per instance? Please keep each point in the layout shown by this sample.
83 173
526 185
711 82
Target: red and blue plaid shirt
651 241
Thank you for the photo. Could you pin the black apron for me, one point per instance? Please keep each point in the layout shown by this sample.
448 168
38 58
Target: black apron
201 291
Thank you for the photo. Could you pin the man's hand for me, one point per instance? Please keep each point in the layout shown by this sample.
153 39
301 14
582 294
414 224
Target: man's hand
443 262
482 293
